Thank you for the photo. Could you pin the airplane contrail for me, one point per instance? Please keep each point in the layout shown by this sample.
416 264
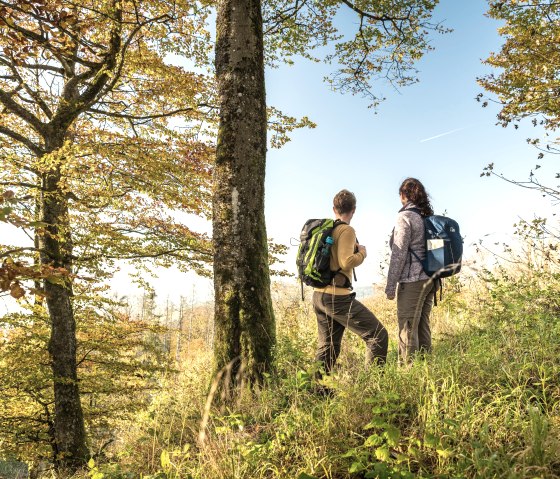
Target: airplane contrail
442 134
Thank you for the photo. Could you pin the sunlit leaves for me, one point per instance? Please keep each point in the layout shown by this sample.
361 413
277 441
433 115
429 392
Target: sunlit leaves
135 161
527 79
115 380
529 61
106 144
280 125
367 40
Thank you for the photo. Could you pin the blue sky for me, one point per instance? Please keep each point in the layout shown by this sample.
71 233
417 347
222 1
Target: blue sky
434 130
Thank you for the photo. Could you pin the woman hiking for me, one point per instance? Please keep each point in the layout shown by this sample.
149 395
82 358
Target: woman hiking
415 290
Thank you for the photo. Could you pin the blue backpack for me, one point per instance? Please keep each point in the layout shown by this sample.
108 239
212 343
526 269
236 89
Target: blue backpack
444 246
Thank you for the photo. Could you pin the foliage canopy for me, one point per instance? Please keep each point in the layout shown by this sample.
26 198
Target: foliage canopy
528 83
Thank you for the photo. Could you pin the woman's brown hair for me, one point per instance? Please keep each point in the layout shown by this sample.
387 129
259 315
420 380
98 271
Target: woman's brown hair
414 191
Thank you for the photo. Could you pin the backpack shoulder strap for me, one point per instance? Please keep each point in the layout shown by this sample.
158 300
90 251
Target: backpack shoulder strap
418 212
414 254
415 210
338 222
347 282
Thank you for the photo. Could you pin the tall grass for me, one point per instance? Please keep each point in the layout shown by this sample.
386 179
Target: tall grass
484 404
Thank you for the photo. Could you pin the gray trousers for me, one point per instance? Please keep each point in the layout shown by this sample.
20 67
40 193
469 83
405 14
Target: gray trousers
414 305
335 313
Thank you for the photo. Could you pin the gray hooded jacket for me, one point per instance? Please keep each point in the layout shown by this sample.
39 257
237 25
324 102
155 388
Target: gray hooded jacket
408 234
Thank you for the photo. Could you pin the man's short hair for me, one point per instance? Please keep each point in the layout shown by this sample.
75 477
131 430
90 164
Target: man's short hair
344 202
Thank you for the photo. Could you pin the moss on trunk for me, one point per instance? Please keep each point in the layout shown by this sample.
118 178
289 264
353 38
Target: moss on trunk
245 327
69 444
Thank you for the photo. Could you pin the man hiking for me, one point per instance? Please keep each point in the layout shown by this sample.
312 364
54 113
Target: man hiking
335 305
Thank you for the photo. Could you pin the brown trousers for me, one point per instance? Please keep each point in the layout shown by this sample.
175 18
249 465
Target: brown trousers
414 305
334 314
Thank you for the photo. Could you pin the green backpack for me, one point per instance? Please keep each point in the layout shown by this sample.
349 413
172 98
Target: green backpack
313 257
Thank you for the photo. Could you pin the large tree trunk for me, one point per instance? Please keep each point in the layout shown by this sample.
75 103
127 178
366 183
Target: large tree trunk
244 320
70 448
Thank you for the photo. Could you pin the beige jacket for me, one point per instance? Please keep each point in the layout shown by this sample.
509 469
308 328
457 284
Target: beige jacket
343 257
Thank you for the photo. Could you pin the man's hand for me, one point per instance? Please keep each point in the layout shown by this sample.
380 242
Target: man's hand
362 249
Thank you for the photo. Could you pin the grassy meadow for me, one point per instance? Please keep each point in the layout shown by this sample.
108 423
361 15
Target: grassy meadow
484 404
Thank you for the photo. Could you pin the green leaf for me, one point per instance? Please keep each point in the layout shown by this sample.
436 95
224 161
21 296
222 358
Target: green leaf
431 441
373 440
451 422
356 467
36 224
383 454
350 453
392 434
379 409
165 460
59 280
445 453
376 422
4 212
304 475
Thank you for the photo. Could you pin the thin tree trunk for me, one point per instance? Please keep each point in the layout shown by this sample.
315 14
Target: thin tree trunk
69 430
244 320
179 331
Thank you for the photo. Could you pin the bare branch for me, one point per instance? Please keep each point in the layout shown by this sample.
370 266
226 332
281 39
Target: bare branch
170 252
145 117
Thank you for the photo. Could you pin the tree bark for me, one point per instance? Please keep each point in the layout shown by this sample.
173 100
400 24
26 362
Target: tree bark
70 449
244 319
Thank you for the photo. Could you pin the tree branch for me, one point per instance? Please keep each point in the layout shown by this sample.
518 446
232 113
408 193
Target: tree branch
282 17
67 113
20 184
125 47
19 250
14 107
140 256
38 151
145 117
33 94
39 66
383 18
